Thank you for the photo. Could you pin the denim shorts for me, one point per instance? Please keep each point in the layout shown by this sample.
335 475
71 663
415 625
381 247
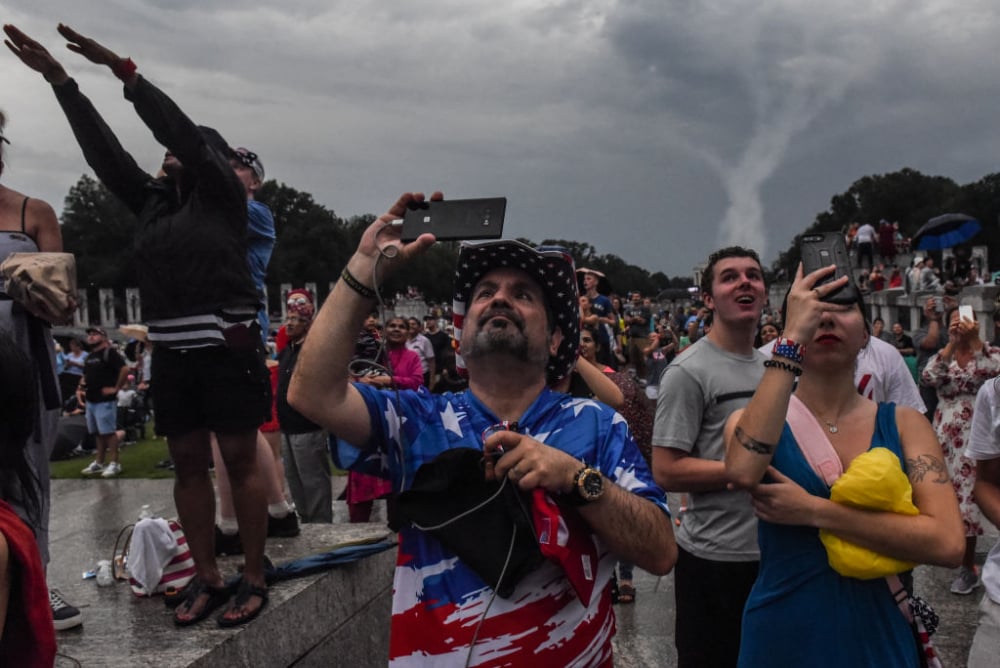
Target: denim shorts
102 417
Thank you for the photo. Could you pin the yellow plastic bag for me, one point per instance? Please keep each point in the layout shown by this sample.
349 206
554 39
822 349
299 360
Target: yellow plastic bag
874 481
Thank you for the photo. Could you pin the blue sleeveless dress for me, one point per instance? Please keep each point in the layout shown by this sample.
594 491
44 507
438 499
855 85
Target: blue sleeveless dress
803 613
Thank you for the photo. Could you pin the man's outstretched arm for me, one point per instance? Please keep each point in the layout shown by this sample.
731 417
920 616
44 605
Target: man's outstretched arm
116 169
321 386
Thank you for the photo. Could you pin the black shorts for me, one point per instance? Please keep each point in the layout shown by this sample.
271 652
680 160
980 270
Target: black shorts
710 596
215 388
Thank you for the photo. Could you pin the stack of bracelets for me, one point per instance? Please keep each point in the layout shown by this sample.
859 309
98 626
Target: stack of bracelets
789 350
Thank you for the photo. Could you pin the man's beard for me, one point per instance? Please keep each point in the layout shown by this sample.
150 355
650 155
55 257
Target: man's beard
509 341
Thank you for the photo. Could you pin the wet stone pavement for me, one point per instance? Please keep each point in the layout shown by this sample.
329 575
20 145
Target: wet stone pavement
120 630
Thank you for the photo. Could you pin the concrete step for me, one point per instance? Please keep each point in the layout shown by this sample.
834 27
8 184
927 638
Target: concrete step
339 617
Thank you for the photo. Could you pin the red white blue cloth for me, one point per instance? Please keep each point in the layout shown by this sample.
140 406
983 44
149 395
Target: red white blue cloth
438 602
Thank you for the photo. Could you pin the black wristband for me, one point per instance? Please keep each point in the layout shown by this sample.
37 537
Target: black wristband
356 285
784 366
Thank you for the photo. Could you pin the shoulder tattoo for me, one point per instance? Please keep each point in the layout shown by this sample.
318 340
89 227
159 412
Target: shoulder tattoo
927 466
752 444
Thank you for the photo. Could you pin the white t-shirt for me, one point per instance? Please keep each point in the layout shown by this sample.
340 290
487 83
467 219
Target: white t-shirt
866 234
882 375
422 346
984 443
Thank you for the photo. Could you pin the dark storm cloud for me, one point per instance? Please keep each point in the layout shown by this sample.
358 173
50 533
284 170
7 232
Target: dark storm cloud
653 130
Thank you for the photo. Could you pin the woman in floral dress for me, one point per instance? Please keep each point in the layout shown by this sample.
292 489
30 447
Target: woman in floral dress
957 372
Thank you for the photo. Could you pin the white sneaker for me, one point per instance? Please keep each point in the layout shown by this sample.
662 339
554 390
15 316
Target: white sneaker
111 470
92 468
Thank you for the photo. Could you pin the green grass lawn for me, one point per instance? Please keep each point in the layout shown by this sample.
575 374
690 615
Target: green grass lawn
138 461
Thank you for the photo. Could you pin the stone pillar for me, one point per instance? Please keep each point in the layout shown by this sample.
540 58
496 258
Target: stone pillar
82 316
981 261
133 305
106 298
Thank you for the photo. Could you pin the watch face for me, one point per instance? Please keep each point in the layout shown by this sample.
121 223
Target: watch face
591 485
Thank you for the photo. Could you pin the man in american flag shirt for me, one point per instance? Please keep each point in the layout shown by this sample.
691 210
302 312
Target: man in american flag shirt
516 321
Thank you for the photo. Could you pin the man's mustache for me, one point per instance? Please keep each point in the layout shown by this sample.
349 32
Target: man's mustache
502 312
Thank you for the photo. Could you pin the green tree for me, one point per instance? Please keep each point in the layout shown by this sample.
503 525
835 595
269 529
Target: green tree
981 200
313 245
99 230
622 276
907 197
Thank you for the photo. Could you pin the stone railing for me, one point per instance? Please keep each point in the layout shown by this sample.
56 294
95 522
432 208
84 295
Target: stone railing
897 305
118 307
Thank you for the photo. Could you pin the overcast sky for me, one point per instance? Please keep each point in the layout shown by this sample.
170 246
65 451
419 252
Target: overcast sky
657 130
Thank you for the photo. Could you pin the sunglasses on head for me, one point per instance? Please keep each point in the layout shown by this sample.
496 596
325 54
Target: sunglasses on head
297 300
246 157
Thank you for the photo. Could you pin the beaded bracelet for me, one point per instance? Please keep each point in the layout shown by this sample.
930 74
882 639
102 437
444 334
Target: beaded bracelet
790 368
356 285
124 68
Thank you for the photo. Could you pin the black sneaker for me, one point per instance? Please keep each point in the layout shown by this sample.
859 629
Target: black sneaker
228 544
64 615
283 527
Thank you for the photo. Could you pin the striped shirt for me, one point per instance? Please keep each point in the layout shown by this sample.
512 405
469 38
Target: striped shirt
439 602
199 331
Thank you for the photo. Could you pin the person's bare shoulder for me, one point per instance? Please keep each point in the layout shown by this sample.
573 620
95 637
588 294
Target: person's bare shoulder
40 211
42 225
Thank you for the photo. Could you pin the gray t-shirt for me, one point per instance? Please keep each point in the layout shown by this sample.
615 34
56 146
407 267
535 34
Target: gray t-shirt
698 392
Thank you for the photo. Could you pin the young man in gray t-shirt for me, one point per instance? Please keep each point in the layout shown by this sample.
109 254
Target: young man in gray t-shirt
717 540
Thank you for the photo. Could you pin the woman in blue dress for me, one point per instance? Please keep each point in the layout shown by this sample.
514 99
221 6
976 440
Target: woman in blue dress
800 611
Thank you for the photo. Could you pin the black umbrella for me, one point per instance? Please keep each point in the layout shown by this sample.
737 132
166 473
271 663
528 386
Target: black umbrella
946 231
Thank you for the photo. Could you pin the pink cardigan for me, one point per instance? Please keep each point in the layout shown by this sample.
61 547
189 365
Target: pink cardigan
406 368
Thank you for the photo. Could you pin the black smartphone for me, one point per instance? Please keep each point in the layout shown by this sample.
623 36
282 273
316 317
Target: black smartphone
452 219
821 249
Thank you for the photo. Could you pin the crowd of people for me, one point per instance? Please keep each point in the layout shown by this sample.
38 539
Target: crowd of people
876 253
542 391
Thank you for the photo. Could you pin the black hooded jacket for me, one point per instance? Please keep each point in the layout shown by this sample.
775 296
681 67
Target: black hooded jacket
191 249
